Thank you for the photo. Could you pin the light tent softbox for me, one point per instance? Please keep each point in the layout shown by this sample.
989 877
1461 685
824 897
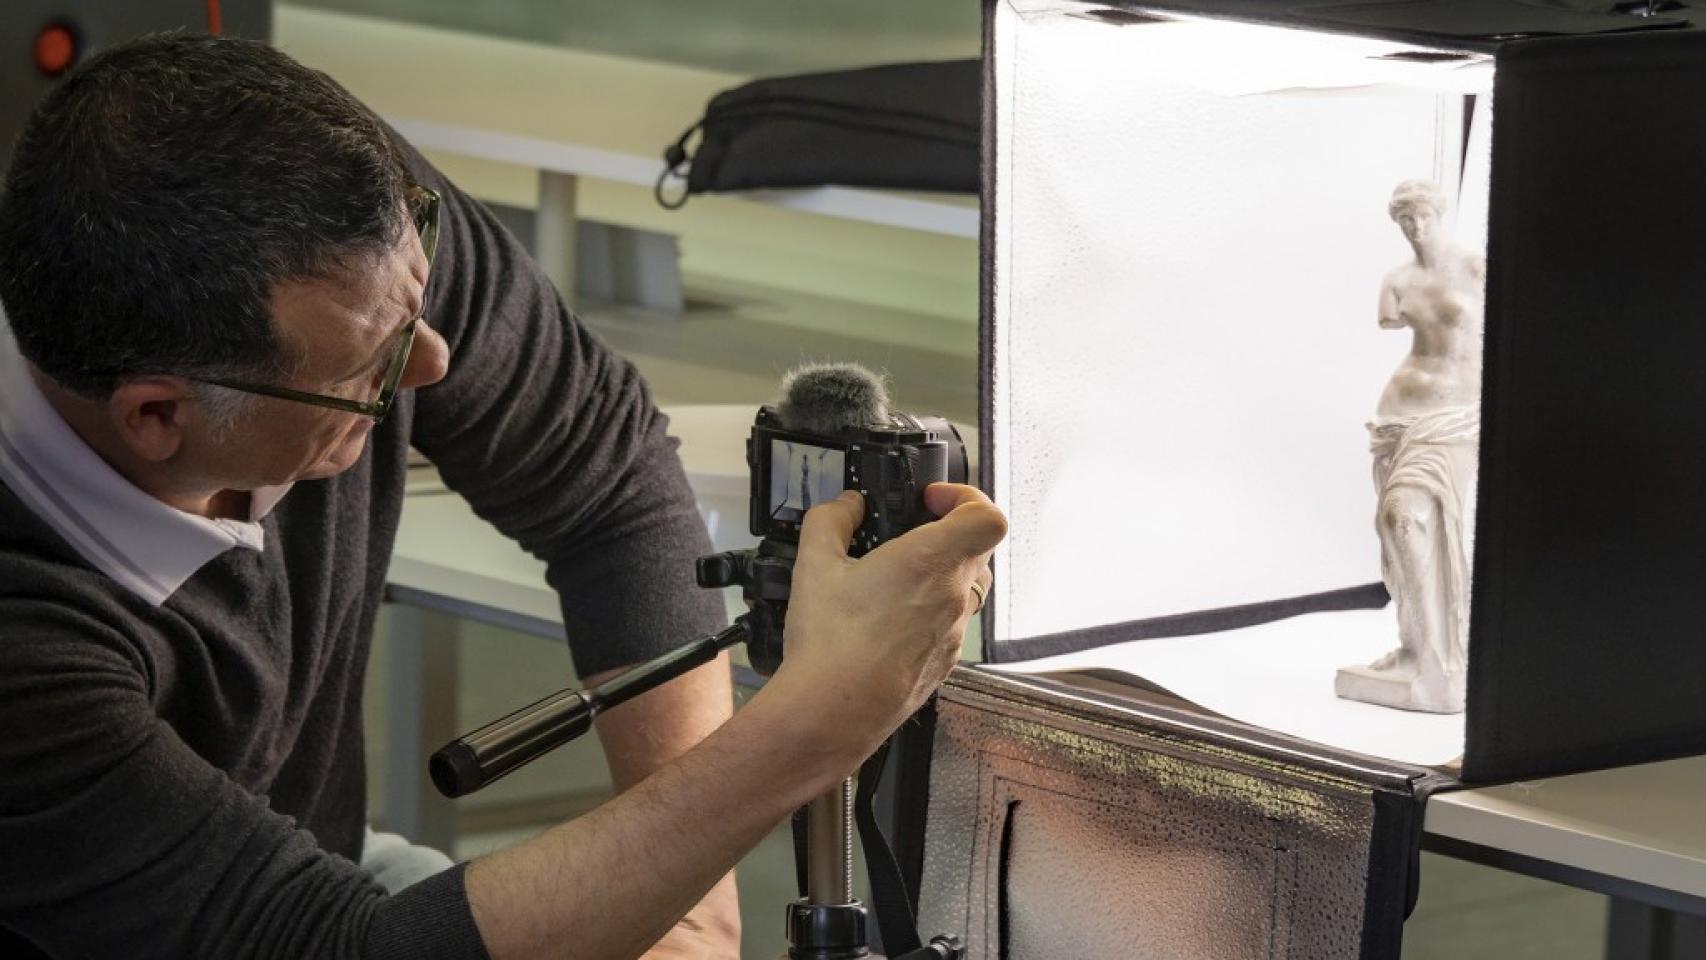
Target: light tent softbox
1184 216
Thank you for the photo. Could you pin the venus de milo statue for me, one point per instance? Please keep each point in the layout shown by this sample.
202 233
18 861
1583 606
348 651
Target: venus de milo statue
1424 440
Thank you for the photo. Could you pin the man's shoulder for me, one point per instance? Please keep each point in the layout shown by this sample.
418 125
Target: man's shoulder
40 572
29 545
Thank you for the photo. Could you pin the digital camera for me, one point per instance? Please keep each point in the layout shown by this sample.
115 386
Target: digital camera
890 462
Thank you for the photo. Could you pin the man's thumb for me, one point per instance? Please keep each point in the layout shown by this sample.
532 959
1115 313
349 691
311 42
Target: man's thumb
970 526
973 528
829 527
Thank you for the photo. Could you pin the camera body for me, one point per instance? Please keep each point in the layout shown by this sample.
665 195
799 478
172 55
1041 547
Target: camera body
890 462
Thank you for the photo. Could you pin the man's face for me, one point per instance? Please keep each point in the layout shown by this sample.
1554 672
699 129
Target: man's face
339 336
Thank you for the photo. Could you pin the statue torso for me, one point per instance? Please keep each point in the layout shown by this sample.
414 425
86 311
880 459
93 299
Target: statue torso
1443 307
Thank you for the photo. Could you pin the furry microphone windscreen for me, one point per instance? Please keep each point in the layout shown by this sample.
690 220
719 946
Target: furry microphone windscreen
826 398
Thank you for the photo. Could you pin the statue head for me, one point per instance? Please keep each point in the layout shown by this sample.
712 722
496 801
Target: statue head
1417 206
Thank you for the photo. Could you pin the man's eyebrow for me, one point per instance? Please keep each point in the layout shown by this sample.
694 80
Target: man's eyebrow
380 355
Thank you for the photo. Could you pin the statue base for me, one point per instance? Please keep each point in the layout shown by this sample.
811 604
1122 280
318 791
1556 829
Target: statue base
1402 687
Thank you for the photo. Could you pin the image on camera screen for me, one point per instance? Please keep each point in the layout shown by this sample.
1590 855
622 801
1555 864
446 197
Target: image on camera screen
802 476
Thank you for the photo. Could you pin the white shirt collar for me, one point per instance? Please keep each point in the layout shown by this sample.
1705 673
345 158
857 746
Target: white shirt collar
145 545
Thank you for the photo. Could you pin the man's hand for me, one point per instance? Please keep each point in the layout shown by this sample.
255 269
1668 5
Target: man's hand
869 640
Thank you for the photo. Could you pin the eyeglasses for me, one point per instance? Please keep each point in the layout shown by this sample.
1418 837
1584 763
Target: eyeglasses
425 205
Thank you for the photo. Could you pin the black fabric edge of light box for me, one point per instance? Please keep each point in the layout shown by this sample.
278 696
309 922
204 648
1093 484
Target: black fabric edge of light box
986 296
1585 618
1475 19
1395 864
1368 596
914 748
890 816
1428 24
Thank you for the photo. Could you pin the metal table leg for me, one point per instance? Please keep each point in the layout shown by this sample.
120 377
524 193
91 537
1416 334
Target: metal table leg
420 718
555 228
1638 931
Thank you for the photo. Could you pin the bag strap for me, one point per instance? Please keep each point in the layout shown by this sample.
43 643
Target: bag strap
675 162
893 906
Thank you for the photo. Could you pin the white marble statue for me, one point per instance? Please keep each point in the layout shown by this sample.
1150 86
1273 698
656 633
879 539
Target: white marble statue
1424 441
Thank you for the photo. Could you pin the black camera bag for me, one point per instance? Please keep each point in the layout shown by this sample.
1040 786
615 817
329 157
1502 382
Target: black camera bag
909 126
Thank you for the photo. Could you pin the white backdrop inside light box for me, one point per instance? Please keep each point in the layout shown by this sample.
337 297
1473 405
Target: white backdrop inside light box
1191 228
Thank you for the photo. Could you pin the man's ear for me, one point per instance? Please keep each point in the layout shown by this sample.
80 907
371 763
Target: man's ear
152 415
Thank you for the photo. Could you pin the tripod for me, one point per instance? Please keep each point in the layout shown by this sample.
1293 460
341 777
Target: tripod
827 923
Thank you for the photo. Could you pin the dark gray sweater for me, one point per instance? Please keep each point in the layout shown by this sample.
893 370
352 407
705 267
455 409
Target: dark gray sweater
187 781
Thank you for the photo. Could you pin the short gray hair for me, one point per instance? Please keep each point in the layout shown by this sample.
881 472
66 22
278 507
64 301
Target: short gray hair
224 408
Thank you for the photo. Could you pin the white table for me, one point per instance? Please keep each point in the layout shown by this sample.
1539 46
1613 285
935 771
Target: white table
1614 830
1636 834
449 560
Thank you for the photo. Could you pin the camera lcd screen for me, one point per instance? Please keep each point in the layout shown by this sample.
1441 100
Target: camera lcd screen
802 475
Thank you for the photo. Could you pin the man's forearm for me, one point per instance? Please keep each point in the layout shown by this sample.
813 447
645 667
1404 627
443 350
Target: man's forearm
645 733
610 883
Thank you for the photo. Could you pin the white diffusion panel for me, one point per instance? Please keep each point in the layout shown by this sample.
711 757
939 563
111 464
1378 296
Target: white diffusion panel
1190 233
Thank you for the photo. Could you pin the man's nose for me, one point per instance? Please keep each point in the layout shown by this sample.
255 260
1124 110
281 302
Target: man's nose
429 359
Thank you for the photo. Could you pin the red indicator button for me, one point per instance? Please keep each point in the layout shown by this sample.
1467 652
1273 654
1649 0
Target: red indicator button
56 49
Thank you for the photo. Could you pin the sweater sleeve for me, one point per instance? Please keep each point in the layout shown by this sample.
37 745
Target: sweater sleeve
555 440
172 858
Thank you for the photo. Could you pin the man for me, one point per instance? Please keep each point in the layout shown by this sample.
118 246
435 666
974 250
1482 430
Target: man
226 285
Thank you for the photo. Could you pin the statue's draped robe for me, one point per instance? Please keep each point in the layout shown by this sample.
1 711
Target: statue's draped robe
1434 454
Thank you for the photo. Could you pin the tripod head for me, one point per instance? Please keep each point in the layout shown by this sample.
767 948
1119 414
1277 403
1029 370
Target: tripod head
765 575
